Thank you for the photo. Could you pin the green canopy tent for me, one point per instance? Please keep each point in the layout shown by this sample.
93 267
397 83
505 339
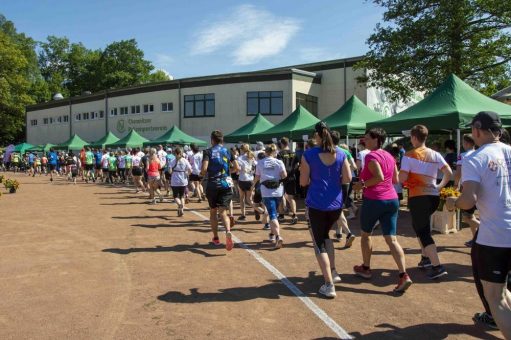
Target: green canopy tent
350 119
22 148
176 136
109 138
450 107
245 133
131 140
73 143
290 127
42 147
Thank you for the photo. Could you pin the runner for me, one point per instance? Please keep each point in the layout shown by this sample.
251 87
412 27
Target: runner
145 165
270 173
44 164
98 155
259 207
380 203
215 164
37 166
82 160
31 158
467 215
89 165
195 178
15 161
485 180
121 165
291 164
137 173
128 162
74 164
323 169
153 176
112 168
419 169
105 173
179 169
52 162
169 158
247 164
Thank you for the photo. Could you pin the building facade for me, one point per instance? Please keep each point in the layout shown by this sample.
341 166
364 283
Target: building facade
198 105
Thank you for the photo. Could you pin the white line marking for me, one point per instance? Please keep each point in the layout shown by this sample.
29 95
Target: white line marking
327 320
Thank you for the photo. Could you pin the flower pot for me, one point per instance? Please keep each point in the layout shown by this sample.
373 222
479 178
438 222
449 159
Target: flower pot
12 190
441 205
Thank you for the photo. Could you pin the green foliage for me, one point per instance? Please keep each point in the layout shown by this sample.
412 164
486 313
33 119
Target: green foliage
423 41
158 75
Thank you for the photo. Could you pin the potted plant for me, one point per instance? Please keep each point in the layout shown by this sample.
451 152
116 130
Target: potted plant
12 185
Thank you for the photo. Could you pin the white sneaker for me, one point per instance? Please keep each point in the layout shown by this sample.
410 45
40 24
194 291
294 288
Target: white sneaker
279 242
271 237
335 276
328 290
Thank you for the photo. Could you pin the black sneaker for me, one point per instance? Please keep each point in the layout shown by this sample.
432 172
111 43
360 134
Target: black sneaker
294 220
469 243
437 272
242 218
280 217
485 319
424 263
257 215
338 237
266 226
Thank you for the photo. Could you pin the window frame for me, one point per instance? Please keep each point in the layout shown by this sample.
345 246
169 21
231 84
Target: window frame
135 109
113 112
309 100
167 104
258 97
196 99
148 108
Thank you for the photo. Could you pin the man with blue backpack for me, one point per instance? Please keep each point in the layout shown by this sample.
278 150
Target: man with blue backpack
215 164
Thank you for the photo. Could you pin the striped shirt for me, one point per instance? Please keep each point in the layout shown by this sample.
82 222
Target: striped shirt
422 165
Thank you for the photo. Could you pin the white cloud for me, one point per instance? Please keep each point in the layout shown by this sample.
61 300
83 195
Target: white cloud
311 54
251 34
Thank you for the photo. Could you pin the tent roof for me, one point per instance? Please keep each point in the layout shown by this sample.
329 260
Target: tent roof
290 127
73 143
132 139
42 147
109 138
451 106
244 134
176 136
21 148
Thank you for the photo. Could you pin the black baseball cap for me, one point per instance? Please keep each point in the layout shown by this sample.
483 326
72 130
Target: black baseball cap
486 120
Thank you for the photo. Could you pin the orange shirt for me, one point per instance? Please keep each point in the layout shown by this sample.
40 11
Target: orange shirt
422 165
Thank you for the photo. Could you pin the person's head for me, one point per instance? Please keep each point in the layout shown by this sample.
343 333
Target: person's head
505 137
245 150
323 137
418 135
111 154
336 137
194 148
284 143
146 150
344 146
311 143
259 146
160 147
375 138
152 152
468 142
486 127
217 137
400 146
234 151
361 144
178 152
450 145
270 150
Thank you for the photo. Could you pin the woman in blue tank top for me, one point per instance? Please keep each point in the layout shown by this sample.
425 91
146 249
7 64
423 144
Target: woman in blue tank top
323 169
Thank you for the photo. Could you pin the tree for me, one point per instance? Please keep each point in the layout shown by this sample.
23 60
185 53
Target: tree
122 64
53 63
423 41
158 75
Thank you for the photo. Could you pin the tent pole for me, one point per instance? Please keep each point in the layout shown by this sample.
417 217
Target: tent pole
347 141
458 149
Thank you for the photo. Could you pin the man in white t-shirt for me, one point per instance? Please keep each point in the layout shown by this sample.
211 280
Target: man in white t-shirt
487 184
361 155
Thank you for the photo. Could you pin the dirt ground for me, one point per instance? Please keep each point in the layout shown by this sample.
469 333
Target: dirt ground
92 261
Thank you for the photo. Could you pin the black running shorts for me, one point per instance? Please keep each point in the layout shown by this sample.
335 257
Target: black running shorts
178 192
245 185
290 187
219 197
493 264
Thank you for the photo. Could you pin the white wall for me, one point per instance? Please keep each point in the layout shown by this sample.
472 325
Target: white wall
89 130
51 133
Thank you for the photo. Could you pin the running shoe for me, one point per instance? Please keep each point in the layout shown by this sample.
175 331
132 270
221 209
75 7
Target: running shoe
362 272
279 242
349 240
469 243
242 218
294 220
228 241
485 319
271 237
424 263
257 215
437 272
266 226
216 241
336 278
338 237
280 217
328 290
404 283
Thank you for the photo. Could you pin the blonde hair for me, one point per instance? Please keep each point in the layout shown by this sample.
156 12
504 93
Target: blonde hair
270 149
245 148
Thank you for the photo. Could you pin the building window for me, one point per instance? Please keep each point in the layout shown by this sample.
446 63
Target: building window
113 112
124 110
33 122
45 121
148 108
200 105
265 102
85 115
65 119
135 109
78 116
51 120
59 119
308 102
167 107
101 114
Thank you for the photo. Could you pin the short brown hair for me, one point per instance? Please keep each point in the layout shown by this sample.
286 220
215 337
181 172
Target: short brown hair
217 137
420 132
284 141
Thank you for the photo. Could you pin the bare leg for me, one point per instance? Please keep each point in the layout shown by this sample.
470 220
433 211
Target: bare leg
396 251
498 299
324 265
225 218
213 217
330 252
366 245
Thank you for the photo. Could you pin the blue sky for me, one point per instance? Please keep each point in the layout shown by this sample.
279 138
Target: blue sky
193 38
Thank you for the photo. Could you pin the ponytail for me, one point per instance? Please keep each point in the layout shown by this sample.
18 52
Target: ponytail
270 150
327 143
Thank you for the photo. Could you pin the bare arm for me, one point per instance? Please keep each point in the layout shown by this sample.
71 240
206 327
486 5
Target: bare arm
283 174
204 167
457 176
346 172
304 173
352 164
446 170
403 176
467 199
375 170
395 176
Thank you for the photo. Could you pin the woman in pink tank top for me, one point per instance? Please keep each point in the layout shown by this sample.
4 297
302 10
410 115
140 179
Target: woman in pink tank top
153 176
380 204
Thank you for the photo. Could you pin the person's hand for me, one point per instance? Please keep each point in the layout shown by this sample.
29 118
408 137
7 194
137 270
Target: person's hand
450 203
357 186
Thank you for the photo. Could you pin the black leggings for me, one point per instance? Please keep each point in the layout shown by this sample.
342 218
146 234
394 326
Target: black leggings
421 209
320 223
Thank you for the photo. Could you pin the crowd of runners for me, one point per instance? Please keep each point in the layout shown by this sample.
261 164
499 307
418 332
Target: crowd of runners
267 181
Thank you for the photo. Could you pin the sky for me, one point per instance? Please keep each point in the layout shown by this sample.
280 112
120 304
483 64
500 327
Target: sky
204 37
